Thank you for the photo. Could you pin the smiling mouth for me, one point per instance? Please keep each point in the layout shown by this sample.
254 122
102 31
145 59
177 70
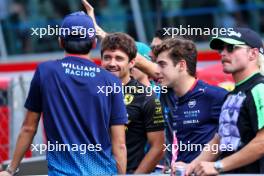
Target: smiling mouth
159 80
112 70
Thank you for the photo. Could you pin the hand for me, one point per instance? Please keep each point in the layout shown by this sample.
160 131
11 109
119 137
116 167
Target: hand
5 173
175 165
190 168
90 11
205 168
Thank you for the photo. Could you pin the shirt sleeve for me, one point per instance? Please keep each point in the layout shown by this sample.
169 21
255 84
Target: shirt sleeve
219 97
34 99
153 118
118 108
257 106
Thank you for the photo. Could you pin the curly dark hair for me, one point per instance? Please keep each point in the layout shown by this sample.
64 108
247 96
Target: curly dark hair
179 49
120 41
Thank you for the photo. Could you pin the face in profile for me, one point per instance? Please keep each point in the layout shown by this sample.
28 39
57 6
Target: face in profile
169 73
235 60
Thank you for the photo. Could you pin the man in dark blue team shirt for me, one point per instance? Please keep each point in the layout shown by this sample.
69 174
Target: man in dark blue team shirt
85 130
191 107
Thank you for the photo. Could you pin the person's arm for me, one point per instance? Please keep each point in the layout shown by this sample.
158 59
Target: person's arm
141 63
206 155
90 11
253 151
154 126
146 66
25 138
154 155
119 147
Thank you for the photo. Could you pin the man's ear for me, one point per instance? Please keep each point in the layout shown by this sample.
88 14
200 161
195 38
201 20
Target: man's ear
254 54
61 42
132 63
182 64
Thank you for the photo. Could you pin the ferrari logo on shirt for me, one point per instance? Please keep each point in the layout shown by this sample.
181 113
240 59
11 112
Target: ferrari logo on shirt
158 110
128 99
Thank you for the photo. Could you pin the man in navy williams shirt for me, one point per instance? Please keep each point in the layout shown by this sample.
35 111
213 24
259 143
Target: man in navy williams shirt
191 107
77 119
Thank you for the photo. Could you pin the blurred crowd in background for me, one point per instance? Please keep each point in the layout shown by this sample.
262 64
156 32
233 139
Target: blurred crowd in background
17 17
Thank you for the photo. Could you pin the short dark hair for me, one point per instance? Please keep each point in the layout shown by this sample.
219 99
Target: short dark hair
77 47
180 49
160 33
121 41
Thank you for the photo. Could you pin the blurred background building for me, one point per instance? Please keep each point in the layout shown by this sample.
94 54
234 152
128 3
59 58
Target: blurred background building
139 18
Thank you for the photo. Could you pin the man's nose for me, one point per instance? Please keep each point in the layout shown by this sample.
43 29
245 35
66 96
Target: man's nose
158 71
112 62
223 52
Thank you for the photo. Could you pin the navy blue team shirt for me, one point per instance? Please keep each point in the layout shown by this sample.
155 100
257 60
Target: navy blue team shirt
76 113
194 117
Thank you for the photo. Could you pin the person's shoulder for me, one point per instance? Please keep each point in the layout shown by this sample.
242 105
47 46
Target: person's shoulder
142 91
49 63
258 89
137 83
46 65
149 94
109 76
259 79
213 91
254 84
258 98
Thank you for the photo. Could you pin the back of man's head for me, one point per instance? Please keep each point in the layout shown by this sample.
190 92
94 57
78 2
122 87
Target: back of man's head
161 34
77 33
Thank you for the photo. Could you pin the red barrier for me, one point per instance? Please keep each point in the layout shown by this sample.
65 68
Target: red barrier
26 66
29 66
4 133
5 121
